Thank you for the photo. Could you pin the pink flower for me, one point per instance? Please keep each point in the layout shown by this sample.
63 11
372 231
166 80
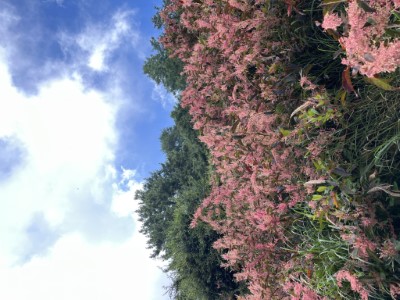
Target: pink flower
395 290
306 84
282 208
362 244
368 222
301 292
331 21
388 251
237 4
366 49
355 284
231 256
187 3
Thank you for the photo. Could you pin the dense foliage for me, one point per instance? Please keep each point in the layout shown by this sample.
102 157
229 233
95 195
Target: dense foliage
164 70
167 203
297 102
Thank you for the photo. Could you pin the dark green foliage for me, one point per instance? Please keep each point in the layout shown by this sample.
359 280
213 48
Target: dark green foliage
186 163
156 209
167 204
194 264
165 70
162 68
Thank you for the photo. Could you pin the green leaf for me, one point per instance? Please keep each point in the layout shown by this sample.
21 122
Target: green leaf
365 6
381 83
316 197
330 5
284 132
393 33
397 245
369 22
238 136
341 172
321 189
395 186
330 2
312 112
396 14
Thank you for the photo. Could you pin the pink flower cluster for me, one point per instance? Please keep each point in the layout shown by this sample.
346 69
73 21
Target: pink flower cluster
368 50
354 283
231 45
331 21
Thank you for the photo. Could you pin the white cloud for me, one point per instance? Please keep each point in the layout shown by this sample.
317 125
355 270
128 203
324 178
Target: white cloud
66 225
76 269
96 59
68 137
58 2
122 203
99 41
160 94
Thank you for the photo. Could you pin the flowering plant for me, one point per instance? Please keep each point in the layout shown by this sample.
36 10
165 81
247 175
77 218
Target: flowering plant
268 132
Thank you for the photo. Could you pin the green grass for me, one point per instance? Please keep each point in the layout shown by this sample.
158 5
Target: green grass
365 143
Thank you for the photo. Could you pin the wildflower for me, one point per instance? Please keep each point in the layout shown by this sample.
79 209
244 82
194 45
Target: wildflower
395 290
366 49
331 21
306 84
362 244
355 284
388 251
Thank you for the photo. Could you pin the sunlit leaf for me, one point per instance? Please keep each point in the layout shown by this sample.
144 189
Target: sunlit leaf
384 188
330 2
335 200
316 197
396 14
301 107
314 182
381 83
342 96
273 68
284 132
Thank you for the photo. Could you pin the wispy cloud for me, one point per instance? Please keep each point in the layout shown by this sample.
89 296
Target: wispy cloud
161 95
98 42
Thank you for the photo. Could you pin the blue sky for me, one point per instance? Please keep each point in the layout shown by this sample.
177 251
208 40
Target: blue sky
79 132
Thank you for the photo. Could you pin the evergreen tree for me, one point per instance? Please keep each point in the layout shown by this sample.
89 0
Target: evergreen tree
165 70
167 204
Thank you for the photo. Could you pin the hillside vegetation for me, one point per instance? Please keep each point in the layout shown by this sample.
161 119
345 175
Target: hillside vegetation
292 192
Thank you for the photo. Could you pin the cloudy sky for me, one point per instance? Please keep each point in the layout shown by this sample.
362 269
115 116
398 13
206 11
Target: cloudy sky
79 132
